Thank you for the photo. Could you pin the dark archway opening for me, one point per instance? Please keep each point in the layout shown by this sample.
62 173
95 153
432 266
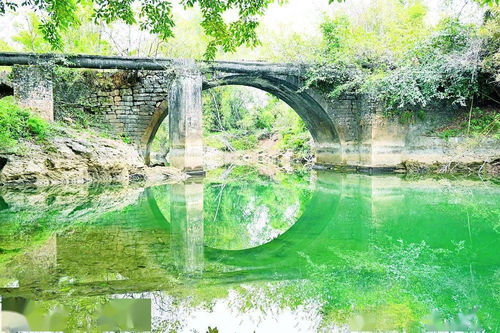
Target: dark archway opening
6 90
3 163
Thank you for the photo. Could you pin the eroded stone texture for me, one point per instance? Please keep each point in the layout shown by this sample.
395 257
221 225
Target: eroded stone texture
33 88
76 158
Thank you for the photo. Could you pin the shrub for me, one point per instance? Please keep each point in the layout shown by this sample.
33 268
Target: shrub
245 142
482 122
406 65
297 139
17 123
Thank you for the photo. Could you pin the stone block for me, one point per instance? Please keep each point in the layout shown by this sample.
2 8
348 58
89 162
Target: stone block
33 88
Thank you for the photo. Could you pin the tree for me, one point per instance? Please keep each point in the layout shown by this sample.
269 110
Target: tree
83 39
155 16
488 2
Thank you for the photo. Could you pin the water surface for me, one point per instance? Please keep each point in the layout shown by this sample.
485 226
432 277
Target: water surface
241 252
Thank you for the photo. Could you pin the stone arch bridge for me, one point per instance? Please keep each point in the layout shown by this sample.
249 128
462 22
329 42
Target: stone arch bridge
141 92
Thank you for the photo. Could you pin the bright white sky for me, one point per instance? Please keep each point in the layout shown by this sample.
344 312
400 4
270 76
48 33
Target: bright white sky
302 16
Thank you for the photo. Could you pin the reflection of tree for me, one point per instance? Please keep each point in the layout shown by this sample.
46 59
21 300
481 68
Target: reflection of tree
248 212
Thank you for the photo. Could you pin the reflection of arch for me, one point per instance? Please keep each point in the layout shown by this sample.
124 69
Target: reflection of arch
308 228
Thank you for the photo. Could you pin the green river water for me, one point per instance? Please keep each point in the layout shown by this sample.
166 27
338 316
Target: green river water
239 251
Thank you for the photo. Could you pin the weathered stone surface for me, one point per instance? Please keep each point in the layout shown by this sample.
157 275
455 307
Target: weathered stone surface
185 119
33 88
76 158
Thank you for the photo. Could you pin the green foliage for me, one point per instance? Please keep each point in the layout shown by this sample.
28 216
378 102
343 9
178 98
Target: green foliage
245 117
224 108
244 142
5 47
383 31
449 133
126 139
297 138
17 124
482 122
161 140
442 67
490 33
213 140
488 2
391 54
154 16
336 77
82 38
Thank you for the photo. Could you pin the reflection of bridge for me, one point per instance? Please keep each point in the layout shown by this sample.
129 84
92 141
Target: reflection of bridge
186 226
136 249
142 251
348 130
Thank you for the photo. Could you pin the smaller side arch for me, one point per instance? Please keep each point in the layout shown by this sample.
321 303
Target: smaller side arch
159 115
6 90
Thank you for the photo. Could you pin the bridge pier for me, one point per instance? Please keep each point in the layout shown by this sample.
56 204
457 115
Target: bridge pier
34 89
185 119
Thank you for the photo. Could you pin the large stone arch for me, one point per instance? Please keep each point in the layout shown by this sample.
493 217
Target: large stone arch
310 106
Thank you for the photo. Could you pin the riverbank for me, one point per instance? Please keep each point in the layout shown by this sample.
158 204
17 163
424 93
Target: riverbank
468 156
77 156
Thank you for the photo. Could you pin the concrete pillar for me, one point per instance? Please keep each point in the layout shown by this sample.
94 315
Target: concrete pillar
186 218
185 119
34 89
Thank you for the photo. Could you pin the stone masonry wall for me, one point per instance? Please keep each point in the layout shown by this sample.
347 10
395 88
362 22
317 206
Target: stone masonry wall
130 102
33 88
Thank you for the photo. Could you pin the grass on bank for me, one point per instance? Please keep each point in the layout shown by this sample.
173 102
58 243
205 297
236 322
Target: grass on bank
18 124
480 123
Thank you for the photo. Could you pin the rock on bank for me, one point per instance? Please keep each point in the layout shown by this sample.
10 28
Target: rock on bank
75 157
